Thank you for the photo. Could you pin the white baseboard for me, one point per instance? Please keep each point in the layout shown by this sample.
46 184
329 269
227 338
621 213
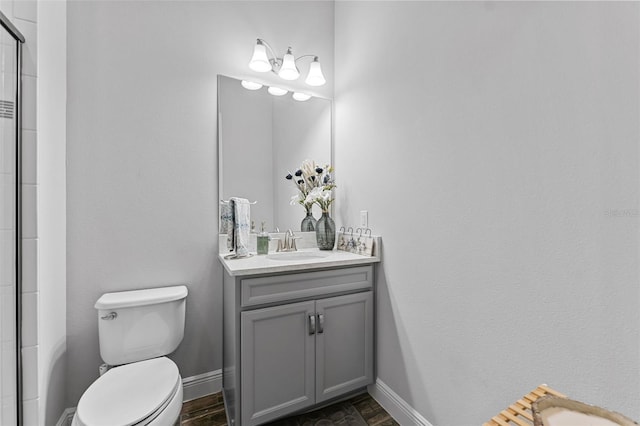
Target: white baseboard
202 385
399 409
193 387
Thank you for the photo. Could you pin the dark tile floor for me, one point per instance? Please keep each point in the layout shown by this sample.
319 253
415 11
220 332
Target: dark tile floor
209 411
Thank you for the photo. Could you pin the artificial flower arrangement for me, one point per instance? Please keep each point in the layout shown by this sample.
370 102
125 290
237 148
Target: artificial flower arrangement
315 185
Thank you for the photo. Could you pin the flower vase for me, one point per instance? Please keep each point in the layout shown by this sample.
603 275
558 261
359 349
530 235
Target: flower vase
325 232
309 222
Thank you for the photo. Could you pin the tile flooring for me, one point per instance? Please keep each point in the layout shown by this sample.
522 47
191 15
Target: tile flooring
209 411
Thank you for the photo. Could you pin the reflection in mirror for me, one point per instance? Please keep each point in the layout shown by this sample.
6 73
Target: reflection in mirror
261 138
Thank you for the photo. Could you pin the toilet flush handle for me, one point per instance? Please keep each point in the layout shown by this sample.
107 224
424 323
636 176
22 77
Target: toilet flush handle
110 316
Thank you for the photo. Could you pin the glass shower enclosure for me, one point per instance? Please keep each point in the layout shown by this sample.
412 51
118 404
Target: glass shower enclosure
10 212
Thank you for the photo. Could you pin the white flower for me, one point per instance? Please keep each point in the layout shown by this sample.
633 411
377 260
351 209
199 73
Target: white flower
313 195
295 200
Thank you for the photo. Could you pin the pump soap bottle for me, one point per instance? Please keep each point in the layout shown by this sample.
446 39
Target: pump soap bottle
263 241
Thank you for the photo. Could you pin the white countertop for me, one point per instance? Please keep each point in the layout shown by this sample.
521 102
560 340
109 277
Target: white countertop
286 262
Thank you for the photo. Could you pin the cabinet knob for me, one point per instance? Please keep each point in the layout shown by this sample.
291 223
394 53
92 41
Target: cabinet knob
320 323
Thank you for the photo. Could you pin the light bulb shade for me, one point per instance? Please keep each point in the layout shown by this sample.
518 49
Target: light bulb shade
251 85
315 77
277 91
288 70
260 61
301 96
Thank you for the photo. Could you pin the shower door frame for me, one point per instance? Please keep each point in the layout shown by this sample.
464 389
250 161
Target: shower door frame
19 38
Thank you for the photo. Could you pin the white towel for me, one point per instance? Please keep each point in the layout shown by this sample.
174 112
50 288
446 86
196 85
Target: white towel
241 210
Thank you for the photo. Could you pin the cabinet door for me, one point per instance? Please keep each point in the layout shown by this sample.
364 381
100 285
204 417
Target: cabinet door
277 360
344 344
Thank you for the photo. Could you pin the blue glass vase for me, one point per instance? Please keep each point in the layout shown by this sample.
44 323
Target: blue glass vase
325 232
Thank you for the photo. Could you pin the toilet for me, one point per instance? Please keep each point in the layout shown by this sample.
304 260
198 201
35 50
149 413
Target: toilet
136 330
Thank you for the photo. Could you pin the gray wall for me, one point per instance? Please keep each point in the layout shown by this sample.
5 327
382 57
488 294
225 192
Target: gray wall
508 129
52 232
497 145
141 153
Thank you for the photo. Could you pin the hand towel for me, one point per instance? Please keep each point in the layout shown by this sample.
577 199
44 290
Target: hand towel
226 218
241 225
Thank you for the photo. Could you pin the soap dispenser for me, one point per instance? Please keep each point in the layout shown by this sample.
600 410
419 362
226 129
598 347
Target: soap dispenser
263 241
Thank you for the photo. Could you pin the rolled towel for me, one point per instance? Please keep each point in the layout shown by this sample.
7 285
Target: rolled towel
241 211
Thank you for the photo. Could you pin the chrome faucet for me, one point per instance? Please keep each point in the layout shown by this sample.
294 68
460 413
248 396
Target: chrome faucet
289 242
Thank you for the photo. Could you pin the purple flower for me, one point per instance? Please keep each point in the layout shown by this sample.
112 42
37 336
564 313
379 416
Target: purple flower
288 177
298 172
318 170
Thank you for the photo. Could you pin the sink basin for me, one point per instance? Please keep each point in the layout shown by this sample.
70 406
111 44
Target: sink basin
298 255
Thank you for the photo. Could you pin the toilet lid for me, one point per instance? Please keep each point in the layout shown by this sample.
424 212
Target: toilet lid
129 394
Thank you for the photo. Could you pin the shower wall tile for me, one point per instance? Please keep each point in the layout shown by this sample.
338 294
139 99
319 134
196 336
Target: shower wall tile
29 373
7 208
29 157
30 46
30 319
7 384
29 97
7 150
29 211
30 411
29 265
25 9
7 258
9 412
7 314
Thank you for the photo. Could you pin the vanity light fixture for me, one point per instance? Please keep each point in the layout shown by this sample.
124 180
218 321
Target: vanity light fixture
251 85
288 70
300 96
285 67
277 91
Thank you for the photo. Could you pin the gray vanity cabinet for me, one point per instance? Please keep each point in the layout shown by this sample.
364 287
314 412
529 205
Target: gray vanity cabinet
277 360
297 340
344 344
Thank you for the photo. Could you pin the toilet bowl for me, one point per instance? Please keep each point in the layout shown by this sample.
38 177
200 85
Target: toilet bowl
137 329
142 393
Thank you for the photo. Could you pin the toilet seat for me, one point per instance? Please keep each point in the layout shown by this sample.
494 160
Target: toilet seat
132 394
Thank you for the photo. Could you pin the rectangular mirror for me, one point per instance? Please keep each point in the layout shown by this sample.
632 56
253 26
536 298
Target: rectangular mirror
262 138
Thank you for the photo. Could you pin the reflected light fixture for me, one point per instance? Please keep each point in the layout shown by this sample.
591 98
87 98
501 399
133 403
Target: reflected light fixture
315 77
285 67
300 96
277 91
251 85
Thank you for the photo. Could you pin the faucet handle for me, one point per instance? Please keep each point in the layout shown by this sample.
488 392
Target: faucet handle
280 247
293 243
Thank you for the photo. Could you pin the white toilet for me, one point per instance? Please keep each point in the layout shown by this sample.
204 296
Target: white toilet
137 329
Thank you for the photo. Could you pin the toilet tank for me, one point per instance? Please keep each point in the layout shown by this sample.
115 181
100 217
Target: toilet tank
140 324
